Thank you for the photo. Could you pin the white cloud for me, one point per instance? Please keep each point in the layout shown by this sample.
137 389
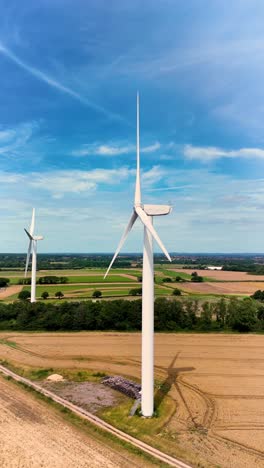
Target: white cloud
210 153
105 150
63 182
113 149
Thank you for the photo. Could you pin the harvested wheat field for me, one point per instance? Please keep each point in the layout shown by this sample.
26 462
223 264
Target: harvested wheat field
216 382
32 435
240 288
221 275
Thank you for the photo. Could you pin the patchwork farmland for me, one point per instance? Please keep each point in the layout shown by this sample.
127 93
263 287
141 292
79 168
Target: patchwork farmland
82 283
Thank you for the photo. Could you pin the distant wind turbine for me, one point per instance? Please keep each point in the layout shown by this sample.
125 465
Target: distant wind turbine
145 213
32 248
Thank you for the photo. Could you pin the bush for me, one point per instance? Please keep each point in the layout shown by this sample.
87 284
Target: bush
178 279
195 277
258 295
135 292
24 295
167 280
97 293
4 282
45 295
176 292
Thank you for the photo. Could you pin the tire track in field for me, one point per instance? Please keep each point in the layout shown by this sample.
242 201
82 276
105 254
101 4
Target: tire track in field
210 418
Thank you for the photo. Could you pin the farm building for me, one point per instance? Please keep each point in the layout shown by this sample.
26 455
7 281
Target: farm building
211 267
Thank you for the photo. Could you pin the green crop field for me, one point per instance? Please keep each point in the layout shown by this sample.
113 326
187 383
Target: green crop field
100 279
82 283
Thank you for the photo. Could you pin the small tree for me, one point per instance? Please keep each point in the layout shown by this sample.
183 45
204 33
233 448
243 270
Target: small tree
139 278
59 294
45 295
176 292
205 322
4 282
24 295
258 295
195 277
97 293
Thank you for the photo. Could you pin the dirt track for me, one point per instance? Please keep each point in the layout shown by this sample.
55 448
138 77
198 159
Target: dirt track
33 436
6 292
217 382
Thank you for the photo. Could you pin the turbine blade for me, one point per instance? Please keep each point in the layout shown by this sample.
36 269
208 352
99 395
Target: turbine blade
138 188
28 234
32 226
145 220
28 256
122 240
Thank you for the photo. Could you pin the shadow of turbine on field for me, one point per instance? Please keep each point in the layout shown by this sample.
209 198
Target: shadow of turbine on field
171 379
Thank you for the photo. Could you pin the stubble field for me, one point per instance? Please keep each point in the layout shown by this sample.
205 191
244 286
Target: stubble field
32 435
215 381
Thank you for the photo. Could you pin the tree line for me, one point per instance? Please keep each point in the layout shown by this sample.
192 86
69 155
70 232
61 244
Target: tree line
123 315
52 279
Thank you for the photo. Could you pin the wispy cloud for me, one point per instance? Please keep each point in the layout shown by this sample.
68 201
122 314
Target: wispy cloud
14 139
113 149
59 183
210 153
153 175
57 85
151 148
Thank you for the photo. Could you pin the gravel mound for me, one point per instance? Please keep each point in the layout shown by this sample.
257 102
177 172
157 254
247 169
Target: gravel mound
128 387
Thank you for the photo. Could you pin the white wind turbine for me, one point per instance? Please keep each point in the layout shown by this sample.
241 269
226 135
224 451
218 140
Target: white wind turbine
32 248
145 213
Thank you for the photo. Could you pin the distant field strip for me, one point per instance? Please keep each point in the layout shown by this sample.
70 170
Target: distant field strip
221 275
240 288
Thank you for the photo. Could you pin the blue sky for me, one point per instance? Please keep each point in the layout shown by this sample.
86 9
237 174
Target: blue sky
69 72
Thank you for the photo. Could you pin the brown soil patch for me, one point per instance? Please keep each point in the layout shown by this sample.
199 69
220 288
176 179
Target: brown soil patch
89 395
216 381
6 292
32 435
242 288
222 275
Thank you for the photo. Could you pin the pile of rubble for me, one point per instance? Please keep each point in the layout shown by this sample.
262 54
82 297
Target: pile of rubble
128 387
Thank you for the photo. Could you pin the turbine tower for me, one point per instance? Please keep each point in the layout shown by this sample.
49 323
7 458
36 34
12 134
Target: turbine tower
32 248
145 213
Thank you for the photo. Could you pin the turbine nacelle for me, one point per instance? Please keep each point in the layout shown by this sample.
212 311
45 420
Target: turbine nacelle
38 238
157 210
